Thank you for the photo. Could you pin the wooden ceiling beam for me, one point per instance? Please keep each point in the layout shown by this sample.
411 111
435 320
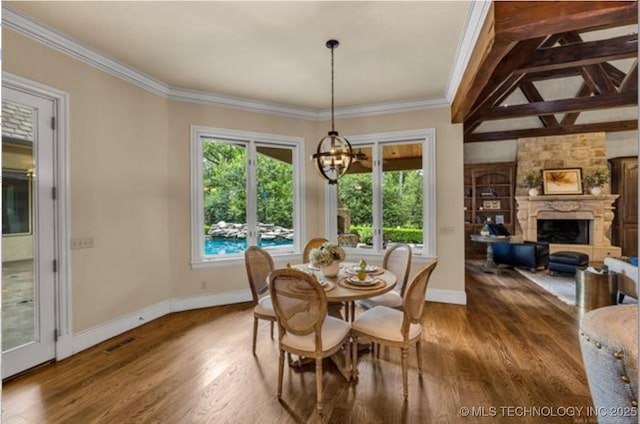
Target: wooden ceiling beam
630 82
570 118
487 54
563 105
581 54
533 95
552 74
520 20
545 132
594 75
615 74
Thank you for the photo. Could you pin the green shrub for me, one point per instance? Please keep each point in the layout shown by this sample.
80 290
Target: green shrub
207 228
401 235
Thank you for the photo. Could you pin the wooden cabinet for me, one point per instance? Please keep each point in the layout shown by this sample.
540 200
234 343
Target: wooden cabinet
488 193
624 181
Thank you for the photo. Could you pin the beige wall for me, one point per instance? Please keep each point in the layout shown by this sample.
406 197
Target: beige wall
130 177
119 175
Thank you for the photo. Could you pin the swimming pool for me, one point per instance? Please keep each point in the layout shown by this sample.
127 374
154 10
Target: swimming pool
227 246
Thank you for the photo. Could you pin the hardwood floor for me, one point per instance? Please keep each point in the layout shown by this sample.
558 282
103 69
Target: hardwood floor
513 345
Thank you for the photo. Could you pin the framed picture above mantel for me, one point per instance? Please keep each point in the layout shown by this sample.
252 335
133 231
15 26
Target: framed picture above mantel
562 181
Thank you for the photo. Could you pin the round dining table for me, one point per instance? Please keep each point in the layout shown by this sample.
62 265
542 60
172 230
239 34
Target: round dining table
339 292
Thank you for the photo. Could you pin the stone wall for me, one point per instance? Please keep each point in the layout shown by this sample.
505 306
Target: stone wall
586 151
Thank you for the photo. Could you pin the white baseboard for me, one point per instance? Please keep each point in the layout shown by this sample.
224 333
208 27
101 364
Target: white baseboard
87 338
179 304
91 337
456 297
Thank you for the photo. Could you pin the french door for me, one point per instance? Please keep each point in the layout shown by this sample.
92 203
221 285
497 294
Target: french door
28 231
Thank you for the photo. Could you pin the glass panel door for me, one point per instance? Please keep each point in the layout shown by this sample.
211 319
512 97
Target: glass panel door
355 201
28 278
402 202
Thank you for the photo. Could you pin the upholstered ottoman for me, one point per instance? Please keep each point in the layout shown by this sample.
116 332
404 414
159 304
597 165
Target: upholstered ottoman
567 262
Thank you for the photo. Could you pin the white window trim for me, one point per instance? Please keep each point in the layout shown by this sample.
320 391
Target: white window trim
428 137
198 260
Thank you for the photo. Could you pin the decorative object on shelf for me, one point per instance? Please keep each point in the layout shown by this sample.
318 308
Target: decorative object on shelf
531 180
491 204
467 192
334 155
491 192
484 231
500 219
562 181
327 257
595 179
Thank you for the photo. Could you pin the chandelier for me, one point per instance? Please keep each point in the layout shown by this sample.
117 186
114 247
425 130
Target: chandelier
334 155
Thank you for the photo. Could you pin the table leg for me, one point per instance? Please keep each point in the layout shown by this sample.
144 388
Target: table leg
489 265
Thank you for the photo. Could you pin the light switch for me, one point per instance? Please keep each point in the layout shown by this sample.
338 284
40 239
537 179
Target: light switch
82 243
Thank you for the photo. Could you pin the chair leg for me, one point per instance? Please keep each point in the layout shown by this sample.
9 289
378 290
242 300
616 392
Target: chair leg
354 357
271 330
405 372
280 372
418 354
289 359
378 350
620 297
255 333
319 384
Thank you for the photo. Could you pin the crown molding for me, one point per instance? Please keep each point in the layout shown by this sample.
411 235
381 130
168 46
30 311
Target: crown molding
475 19
48 36
37 31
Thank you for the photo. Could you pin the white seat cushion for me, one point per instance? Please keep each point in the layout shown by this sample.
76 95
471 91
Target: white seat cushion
384 323
334 331
265 307
391 300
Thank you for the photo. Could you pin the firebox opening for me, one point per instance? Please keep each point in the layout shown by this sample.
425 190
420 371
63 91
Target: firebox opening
564 231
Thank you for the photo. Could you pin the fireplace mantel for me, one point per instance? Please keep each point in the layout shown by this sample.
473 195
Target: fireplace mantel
598 209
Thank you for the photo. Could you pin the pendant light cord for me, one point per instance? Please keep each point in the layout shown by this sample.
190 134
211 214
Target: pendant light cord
333 128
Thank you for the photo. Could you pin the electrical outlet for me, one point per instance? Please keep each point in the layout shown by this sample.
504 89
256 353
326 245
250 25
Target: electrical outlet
82 243
446 229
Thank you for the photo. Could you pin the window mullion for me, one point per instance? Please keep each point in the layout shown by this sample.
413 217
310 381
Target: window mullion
377 197
252 225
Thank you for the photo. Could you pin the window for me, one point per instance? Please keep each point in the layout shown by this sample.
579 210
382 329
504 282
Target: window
16 201
388 195
245 191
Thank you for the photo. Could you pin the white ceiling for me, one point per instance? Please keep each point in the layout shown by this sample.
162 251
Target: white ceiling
275 51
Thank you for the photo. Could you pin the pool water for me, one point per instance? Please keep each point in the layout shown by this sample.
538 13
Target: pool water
230 246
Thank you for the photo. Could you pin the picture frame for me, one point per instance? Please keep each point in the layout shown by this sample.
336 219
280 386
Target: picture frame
491 204
562 181
500 219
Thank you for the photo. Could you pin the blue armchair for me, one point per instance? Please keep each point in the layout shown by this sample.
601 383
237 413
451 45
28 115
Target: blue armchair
529 254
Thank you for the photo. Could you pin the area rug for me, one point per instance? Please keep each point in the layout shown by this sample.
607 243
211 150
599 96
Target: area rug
561 286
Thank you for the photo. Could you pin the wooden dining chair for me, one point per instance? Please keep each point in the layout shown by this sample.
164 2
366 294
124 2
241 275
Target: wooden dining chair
397 260
391 327
305 328
311 244
259 264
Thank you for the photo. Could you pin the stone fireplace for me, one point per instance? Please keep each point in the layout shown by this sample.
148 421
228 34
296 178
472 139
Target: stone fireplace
597 211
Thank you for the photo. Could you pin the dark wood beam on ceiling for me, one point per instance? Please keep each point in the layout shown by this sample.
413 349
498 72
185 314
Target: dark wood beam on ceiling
570 118
563 105
511 21
545 132
581 54
552 74
519 20
615 74
487 54
630 82
533 95
594 75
